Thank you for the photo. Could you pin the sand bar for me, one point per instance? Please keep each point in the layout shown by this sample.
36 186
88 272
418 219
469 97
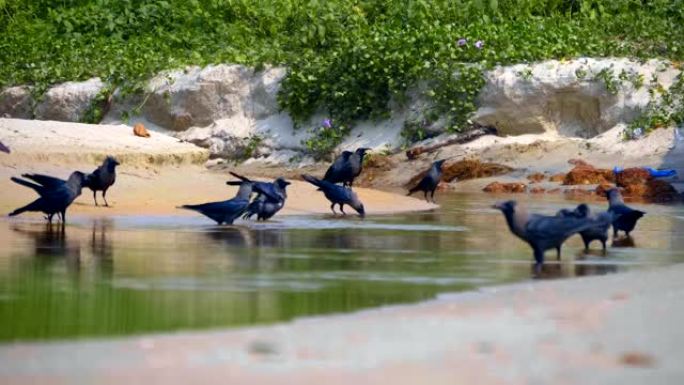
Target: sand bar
157 174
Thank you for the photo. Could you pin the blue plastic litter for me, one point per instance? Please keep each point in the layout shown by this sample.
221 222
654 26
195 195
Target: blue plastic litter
661 173
652 171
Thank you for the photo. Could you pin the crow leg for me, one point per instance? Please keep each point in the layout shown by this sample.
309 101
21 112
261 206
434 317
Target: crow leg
332 207
538 256
558 252
49 218
537 268
63 217
342 209
603 242
615 231
432 196
104 196
95 197
425 195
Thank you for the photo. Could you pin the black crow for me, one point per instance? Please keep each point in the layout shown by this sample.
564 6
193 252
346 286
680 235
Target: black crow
337 195
624 217
430 181
225 211
228 211
597 232
55 194
262 206
102 178
541 232
346 167
4 148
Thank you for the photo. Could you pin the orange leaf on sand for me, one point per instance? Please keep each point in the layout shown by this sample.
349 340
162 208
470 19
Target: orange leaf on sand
140 130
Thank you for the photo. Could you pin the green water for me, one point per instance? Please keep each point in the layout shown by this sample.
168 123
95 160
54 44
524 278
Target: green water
129 275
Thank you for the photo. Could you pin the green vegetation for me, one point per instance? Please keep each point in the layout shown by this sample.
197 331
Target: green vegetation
414 131
665 108
323 139
607 76
348 58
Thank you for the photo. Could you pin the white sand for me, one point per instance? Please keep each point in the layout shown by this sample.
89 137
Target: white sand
60 142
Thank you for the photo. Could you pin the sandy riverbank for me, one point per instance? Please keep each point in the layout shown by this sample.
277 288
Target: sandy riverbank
525 154
157 174
616 329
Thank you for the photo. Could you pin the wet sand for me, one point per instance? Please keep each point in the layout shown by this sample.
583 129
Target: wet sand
159 190
157 174
623 328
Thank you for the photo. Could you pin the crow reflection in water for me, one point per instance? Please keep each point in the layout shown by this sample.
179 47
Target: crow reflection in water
50 245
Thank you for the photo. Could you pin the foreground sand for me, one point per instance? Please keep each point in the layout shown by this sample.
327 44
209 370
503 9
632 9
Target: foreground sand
621 329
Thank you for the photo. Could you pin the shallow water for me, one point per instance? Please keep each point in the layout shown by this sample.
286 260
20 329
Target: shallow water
131 275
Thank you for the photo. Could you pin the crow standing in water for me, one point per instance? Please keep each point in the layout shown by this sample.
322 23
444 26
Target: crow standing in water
597 232
430 181
337 195
102 178
346 167
541 232
55 194
228 211
624 217
263 206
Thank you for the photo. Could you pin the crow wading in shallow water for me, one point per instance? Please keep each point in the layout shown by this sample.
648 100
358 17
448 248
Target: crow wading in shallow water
541 232
337 195
624 217
430 181
346 167
228 211
102 178
55 194
597 232
263 206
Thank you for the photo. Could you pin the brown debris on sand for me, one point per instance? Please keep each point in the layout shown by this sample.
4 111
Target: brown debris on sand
373 166
659 191
584 173
498 188
140 130
536 177
637 359
560 177
465 169
472 169
630 176
637 184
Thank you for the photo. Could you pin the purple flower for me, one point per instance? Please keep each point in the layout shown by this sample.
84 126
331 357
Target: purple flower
479 44
462 41
327 123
